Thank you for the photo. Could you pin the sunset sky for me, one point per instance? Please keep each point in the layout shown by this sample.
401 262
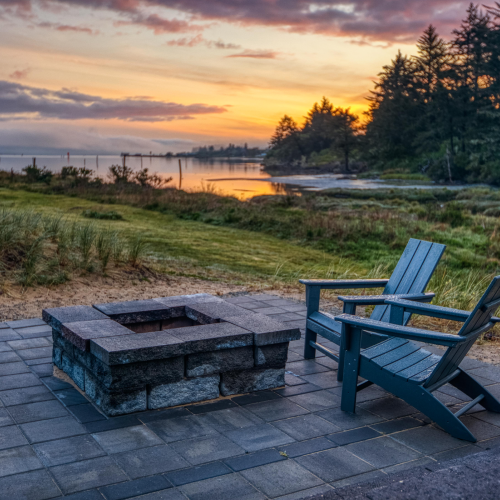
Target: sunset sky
140 75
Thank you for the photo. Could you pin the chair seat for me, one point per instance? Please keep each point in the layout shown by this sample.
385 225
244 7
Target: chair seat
402 358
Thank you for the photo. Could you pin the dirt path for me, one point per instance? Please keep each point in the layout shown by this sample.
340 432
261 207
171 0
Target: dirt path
18 303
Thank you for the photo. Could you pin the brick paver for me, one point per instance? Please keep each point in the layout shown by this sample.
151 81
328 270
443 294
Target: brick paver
287 444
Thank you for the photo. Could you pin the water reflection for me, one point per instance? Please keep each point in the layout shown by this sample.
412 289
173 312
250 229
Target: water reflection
240 178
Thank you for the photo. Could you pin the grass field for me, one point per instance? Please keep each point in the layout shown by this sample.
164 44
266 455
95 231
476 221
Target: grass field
177 246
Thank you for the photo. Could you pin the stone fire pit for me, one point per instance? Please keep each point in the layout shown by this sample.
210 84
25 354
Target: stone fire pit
157 353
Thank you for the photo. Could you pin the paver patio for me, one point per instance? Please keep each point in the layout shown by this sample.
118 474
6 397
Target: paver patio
287 443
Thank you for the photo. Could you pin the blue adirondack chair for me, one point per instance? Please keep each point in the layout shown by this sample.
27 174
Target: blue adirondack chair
408 281
407 370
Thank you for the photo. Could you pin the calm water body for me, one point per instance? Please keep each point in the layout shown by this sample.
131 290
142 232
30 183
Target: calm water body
241 178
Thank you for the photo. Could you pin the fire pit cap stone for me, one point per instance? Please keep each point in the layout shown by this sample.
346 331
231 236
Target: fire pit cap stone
56 316
79 333
187 299
266 330
135 311
207 312
169 343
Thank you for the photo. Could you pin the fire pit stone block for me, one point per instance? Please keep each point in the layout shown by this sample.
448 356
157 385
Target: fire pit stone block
169 351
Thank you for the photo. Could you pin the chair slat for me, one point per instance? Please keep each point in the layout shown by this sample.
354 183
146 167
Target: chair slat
410 360
415 266
424 374
408 276
450 361
428 267
416 276
383 347
402 266
419 367
396 354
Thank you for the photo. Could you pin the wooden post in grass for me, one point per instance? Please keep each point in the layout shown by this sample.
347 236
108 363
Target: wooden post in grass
180 173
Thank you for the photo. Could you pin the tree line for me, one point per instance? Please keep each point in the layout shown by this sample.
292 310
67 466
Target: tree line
437 112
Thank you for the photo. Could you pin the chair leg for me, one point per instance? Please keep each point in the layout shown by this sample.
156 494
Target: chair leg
421 399
470 386
439 413
351 357
312 302
340 372
347 309
429 405
309 351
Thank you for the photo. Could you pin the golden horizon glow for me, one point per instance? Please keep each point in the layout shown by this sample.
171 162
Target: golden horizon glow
126 61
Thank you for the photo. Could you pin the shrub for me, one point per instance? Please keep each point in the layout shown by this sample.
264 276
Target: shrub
37 174
452 214
78 175
94 214
145 179
120 174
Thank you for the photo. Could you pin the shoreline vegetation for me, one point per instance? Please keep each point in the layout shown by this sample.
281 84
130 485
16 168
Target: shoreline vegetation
433 116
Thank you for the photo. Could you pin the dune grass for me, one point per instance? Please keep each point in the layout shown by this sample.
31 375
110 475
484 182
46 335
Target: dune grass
176 246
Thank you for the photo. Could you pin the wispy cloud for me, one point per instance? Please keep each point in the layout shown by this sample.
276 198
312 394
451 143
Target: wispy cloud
18 101
198 40
219 44
160 25
67 27
187 42
20 74
256 54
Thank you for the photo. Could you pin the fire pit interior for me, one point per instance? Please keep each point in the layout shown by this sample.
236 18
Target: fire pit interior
168 351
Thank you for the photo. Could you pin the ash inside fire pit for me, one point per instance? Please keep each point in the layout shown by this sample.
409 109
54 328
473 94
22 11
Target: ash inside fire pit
148 354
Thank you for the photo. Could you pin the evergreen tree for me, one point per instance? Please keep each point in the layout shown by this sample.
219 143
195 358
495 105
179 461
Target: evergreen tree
345 126
318 127
392 112
432 60
473 53
285 143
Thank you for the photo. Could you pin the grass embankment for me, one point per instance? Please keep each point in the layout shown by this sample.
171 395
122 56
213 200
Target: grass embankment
169 245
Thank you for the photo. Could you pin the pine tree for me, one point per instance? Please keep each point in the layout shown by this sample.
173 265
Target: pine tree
432 71
345 125
318 127
472 51
393 108
432 60
285 143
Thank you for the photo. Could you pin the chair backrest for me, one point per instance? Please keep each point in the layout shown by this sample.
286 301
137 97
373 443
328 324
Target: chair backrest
478 322
411 275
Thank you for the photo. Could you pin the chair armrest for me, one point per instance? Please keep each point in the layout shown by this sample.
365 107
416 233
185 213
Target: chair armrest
399 331
430 310
373 300
345 284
